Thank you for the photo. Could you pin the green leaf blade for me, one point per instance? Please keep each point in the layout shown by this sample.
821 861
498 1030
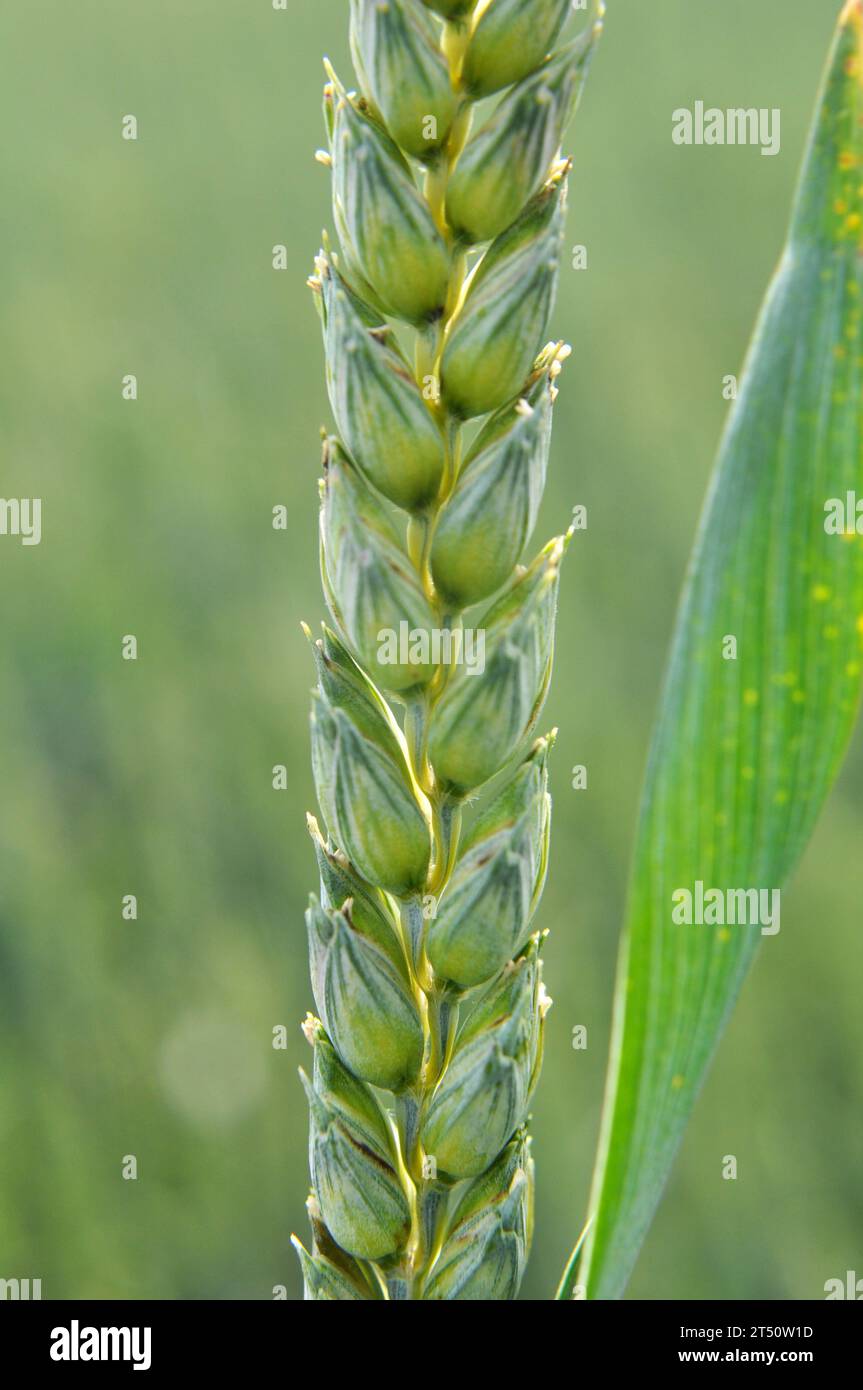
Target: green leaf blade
745 751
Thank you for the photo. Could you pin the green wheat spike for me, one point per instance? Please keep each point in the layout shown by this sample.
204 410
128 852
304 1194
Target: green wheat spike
424 953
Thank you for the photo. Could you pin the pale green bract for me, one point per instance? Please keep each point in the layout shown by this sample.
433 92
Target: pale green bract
424 950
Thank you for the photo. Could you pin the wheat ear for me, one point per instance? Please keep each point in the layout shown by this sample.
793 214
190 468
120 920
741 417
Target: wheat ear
424 956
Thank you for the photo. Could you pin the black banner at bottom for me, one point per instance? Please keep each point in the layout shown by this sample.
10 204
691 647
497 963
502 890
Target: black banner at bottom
222 1338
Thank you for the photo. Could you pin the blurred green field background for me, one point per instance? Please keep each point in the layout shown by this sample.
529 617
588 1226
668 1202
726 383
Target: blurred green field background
153 1037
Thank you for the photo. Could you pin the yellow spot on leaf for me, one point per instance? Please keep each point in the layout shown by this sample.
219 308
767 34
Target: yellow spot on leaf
723 935
853 14
853 11
820 593
677 1081
750 697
